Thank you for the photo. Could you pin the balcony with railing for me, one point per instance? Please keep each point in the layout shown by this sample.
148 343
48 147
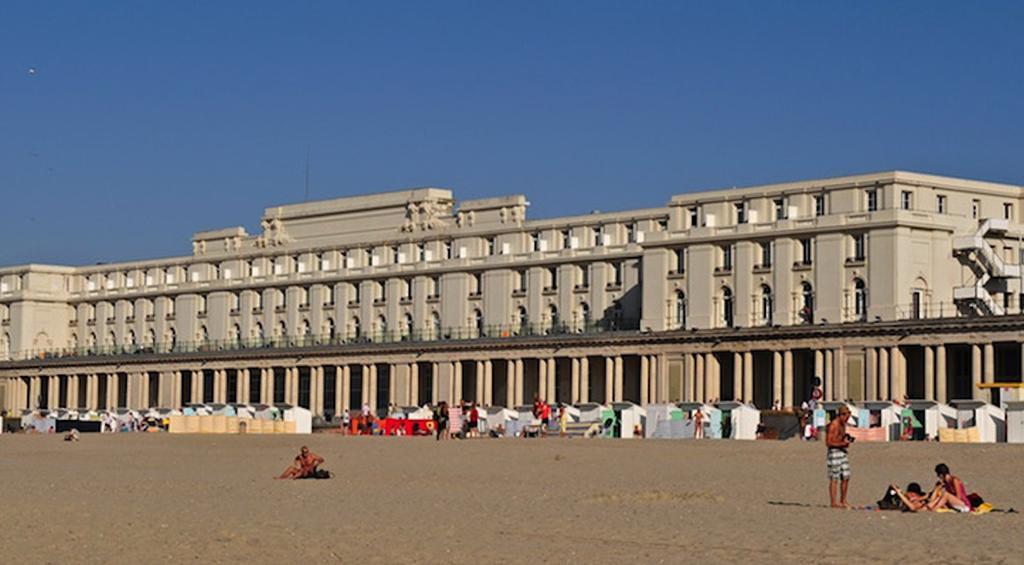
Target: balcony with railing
391 336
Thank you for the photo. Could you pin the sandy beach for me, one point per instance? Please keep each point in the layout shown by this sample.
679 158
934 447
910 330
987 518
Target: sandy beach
163 499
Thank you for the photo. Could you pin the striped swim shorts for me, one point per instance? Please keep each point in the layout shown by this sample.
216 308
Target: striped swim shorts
838 464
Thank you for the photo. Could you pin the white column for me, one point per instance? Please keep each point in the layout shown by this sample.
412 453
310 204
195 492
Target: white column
609 380
574 395
488 382
748 376
988 374
699 378
787 378
828 379
645 379
584 379
929 372
940 373
519 382
883 374
737 376
510 383
618 378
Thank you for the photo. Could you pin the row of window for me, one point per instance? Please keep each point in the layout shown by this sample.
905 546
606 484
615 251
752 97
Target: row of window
857 250
280 300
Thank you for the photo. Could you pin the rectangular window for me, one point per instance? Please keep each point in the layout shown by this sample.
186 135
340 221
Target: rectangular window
975 209
906 200
680 256
741 212
1007 211
819 205
872 196
694 217
806 252
766 254
662 225
597 233
859 246
584 274
727 257
448 250
535 241
940 204
521 281
780 208
552 279
566 239
631 232
617 274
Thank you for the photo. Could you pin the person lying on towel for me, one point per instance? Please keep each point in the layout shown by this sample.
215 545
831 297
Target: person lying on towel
304 466
914 499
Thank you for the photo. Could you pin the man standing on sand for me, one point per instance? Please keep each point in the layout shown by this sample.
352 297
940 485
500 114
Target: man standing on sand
838 442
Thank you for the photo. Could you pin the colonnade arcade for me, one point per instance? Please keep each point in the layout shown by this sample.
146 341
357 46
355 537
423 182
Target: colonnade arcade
769 370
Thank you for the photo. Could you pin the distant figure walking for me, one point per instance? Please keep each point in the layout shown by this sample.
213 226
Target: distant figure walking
838 442
698 424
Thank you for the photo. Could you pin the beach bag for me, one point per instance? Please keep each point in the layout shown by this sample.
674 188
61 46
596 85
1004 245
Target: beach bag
891 501
975 499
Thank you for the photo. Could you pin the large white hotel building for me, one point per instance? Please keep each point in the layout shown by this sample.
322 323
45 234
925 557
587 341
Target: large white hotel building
886 285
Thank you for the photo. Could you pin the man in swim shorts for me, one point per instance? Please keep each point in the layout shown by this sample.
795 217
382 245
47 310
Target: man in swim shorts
838 442
304 466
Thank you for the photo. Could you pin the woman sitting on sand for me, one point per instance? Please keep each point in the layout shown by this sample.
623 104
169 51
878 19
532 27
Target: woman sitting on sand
949 492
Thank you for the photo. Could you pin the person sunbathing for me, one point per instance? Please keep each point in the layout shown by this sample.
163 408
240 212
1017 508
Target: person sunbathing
304 466
914 499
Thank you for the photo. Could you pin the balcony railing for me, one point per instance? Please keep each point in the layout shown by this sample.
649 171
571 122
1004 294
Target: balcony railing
389 336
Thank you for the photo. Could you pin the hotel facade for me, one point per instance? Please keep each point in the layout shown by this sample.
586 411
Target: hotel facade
885 286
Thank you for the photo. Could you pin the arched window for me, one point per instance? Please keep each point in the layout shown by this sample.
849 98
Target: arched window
111 339
553 315
357 329
204 334
172 338
767 305
522 319
282 329
860 299
236 334
151 337
807 303
129 309
680 309
382 327
130 339
257 331
305 329
72 343
92 339
407 326
5 346
435 324
329 328
584 316
478 322
727 307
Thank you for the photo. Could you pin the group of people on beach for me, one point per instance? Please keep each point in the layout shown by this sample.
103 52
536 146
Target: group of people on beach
949 492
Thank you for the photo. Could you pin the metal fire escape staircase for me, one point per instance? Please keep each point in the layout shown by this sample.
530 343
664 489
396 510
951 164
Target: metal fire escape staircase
990 271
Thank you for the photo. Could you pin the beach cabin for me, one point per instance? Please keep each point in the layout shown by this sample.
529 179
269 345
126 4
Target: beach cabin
738 420
926 418
709 413
1015 421
877 420
499 418
297 419
987 419
664 421
628 418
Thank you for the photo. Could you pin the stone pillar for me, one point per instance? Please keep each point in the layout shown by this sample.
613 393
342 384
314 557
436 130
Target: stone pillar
975 371
479 397
457 385
898 385
542 378
787 378
689 384
748 376
113 386
618 378
658 391
552 380
488 382
883 374
519 382
989 373
645 379
929 372
842 390
940 373
373 389
829 377
737 376
609 380
435 383
318 401
341 394
870 374
414 384
584 379
72 399
510 383
365 376
574 395
700 395
819 366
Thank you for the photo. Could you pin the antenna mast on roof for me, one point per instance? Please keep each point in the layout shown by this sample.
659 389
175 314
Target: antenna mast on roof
307 173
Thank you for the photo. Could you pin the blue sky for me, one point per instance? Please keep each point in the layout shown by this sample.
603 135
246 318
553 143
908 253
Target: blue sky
147 121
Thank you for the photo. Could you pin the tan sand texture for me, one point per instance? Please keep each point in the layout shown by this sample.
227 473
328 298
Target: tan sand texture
200 499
